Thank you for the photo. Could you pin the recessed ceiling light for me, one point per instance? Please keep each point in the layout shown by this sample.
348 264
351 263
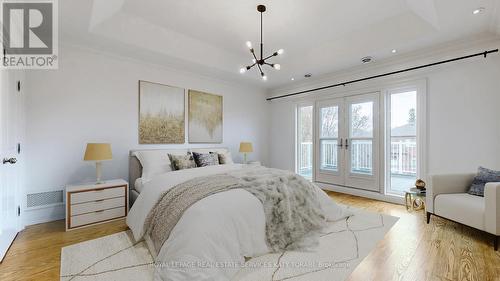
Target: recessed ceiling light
394 51
292 79
367 59
478 11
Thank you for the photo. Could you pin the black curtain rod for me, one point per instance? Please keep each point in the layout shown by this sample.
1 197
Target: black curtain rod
485 53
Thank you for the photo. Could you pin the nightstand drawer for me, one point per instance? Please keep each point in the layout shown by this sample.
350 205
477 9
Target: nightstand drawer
97 205
93 195
98 216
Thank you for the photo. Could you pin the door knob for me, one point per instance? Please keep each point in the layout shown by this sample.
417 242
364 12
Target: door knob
9 160
341 144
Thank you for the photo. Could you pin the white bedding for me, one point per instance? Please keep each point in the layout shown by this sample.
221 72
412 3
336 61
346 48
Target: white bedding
214 235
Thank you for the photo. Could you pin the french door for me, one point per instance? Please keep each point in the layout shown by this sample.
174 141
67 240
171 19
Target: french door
348 141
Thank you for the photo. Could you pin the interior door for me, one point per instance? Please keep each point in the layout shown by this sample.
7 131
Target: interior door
330 141
10 131
362 142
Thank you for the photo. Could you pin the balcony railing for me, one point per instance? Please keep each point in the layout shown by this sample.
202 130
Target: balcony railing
305 159
403 156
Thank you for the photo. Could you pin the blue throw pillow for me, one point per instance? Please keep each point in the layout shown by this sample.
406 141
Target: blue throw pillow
483 176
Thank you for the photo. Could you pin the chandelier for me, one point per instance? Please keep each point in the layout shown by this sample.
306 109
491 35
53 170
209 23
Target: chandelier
260 62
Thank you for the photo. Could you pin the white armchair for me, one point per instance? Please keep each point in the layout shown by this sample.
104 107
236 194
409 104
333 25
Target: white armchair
447 197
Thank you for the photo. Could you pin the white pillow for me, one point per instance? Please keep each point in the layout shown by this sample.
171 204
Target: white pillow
155 162
138 185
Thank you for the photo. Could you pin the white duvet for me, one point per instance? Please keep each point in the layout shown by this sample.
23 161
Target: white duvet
216 234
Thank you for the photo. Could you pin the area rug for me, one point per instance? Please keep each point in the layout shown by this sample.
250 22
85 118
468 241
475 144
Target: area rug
343 245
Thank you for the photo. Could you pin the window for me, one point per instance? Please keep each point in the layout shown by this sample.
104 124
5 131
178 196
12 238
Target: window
361 136
304 161
402 147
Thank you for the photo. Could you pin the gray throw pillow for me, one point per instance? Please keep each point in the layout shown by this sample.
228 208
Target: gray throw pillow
483 176
181 162
206 159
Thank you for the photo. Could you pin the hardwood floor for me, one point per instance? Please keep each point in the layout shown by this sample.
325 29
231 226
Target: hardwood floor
36 252
411 250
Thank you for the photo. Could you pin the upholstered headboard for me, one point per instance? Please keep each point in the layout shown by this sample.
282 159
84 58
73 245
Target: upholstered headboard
135 167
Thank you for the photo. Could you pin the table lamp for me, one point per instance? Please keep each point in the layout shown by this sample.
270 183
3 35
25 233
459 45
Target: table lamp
98 152
246 147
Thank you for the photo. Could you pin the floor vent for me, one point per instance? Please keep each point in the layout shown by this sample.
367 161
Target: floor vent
41 199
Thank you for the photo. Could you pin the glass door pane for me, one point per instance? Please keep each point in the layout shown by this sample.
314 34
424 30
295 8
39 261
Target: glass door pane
305 141
403 141
362 151
361 137
330 138
329 133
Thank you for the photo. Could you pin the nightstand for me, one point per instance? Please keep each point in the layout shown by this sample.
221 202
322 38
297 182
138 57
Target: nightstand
91 203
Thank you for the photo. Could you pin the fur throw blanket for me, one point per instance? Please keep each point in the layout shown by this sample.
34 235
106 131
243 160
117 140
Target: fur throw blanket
292 210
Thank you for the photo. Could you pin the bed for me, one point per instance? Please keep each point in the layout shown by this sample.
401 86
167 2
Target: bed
224 236
226 227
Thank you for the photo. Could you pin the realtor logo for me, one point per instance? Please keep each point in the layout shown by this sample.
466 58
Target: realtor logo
29 34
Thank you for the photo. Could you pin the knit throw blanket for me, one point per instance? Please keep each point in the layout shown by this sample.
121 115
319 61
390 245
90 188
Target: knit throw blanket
292 210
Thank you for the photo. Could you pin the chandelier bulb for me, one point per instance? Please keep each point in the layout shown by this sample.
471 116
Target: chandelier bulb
254 60
277 66
281 51
249 44
243 70
264 78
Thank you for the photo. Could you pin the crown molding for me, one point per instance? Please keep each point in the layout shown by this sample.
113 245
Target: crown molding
197 75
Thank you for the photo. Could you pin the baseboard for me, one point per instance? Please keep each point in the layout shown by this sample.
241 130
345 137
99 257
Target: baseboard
45 214
362 193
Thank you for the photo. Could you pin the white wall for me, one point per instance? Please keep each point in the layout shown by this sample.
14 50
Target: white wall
93 97
463 105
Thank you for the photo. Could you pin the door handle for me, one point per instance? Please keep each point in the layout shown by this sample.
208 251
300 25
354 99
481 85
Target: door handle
9 160
346 143
341 144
